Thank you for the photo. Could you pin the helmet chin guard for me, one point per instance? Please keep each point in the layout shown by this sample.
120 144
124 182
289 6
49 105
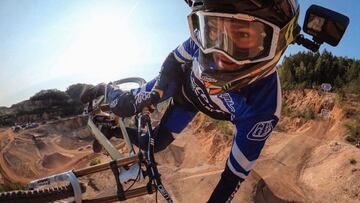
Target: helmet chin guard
216 83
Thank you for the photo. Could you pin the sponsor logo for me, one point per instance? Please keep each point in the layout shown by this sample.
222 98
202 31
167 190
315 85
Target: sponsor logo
164 193
260 131
289 35
208 79
202 97
228 100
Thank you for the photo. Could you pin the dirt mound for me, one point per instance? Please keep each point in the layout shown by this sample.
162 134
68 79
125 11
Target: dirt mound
35 153
340 183
18 165
173 155
40 144
302 106
263 194
55 160
310 163
306 98
70 143
70 124
215 137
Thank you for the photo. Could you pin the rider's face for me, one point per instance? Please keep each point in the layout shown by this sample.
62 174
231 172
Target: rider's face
245 36
225 64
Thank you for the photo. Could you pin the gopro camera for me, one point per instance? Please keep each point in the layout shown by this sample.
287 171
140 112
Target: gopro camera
325 25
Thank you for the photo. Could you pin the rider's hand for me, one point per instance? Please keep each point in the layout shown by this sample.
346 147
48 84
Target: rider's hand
92 93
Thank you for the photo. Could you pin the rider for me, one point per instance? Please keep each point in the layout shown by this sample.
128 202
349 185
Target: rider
227 70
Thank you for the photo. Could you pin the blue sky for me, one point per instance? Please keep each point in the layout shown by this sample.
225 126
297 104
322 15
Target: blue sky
55 43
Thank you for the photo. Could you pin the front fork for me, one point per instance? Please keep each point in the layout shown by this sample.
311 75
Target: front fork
144 121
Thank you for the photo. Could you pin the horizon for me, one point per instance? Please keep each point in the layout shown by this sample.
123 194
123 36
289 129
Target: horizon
54 44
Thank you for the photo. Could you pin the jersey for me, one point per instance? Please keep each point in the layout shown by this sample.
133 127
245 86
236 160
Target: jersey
254 110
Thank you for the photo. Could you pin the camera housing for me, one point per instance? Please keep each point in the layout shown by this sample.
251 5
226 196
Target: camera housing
325 25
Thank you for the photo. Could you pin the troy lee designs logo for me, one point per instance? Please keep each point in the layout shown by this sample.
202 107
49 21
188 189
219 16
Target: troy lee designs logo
260 131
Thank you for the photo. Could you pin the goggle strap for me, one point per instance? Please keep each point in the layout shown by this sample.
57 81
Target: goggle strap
288 33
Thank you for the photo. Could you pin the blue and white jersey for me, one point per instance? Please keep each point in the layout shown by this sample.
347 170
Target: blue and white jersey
254 110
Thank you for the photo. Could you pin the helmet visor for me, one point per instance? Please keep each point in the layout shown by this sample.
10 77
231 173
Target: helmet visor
242 38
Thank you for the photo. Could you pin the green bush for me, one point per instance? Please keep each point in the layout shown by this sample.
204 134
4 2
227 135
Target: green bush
309 114
353 129
51 94
76 90
285 110
12 186
352 161
95 161
224 127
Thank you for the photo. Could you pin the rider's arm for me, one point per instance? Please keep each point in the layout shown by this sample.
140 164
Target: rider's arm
125 103
172 68
250 138
256 112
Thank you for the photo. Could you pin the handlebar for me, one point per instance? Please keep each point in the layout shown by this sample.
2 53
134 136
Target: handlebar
101 115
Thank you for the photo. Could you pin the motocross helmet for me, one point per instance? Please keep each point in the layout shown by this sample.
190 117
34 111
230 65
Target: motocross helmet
240 41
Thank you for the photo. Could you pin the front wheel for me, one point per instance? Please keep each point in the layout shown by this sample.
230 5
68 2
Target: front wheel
39 195
129 83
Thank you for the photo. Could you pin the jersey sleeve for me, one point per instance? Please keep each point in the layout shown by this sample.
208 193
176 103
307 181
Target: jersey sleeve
185 52
251 135
172 68
256 111
254 120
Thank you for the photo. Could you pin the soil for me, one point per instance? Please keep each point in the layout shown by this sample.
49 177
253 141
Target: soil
307 161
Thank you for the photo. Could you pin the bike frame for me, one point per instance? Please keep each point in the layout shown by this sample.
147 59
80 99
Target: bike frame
119 160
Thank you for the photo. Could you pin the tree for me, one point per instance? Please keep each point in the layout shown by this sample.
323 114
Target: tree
51 94
76 90
309 70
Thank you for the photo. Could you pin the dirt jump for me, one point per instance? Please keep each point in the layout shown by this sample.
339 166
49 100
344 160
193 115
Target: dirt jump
307 164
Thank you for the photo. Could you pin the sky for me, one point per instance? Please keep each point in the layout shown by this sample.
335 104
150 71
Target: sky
47 44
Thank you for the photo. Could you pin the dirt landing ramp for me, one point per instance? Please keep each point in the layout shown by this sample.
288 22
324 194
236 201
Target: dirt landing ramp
263 194
55 160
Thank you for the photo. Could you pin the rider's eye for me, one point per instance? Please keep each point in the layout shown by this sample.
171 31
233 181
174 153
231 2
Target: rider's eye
243 34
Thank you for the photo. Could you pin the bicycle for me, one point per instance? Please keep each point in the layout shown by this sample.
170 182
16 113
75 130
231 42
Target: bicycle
124 167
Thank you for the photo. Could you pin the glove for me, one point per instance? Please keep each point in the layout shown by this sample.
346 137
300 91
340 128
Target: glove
92 93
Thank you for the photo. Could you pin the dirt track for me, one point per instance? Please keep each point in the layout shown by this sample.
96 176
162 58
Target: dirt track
309 165
27 155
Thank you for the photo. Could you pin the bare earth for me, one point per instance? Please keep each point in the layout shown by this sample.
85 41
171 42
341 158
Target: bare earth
309 163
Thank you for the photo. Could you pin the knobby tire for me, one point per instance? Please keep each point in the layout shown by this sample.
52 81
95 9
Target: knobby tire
39 195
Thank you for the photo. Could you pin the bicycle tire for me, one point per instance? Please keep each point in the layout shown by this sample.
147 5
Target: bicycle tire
138 80
39 195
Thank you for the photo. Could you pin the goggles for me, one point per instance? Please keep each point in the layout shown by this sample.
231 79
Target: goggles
242 38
